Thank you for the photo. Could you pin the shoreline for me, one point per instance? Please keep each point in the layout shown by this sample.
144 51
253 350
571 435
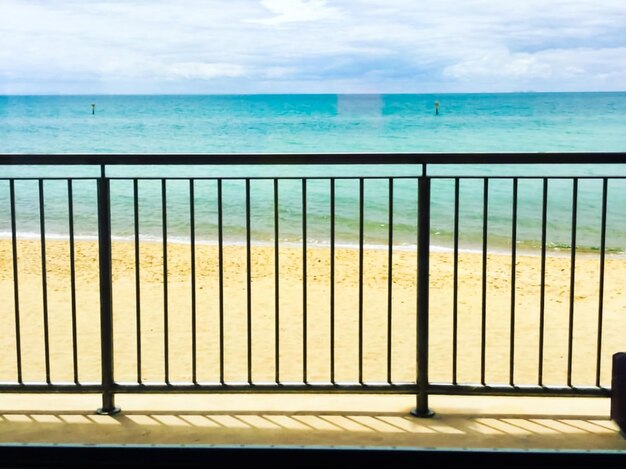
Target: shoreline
434 248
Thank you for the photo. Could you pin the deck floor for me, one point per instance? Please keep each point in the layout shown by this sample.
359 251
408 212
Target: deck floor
314 420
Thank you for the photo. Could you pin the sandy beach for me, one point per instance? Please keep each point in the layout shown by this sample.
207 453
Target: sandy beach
375 315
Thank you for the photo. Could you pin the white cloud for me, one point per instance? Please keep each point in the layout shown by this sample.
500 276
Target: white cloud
279 72
599 68
295 11
502 64
205 71
322 45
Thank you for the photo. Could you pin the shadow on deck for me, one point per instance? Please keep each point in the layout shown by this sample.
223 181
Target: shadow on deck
321 431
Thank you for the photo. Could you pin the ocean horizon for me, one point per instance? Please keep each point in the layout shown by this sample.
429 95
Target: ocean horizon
319 123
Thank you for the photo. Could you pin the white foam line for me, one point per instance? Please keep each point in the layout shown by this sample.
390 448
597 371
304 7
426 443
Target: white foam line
311 244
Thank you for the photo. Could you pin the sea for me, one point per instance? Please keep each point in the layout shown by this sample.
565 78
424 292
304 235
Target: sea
315 124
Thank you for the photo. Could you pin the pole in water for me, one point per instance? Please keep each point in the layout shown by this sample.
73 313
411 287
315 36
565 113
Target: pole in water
436 107
93 109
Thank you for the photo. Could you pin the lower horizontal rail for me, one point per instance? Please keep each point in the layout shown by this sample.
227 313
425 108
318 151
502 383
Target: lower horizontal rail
36 388
507 390
339 388
348 388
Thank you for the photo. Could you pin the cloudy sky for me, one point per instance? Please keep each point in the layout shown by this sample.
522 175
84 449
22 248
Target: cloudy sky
311 46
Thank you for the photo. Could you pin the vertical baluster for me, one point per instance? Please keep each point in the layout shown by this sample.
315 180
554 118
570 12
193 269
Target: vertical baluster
455 286
16 288
513 283
601 280
166 321
44 280
332 280
361 223
304 286
70 209
542 291
137 278
248 283
483 322
390 280
220 249
570 335
194 322
276 287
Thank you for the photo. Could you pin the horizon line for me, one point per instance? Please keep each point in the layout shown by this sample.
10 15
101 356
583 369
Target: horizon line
314 93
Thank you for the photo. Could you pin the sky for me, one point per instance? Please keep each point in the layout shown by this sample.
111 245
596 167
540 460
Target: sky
311 46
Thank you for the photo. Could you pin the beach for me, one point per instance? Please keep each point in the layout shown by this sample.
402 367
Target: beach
375 317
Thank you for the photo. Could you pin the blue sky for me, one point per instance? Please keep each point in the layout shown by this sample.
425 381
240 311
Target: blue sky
311 46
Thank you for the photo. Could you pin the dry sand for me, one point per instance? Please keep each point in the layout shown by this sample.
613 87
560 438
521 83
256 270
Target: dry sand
375 315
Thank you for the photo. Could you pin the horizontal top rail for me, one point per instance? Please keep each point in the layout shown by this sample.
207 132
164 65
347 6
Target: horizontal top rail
315 158
383 177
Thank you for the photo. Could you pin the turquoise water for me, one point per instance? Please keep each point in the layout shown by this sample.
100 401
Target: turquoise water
533 122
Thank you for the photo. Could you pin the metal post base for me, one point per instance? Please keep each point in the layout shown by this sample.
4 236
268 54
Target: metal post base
108 405
422 413
111 411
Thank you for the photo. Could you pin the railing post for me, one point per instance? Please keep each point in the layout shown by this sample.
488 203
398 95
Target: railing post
618 391
423 269
106 311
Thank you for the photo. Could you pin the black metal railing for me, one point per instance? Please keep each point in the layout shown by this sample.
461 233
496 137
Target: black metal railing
343 325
